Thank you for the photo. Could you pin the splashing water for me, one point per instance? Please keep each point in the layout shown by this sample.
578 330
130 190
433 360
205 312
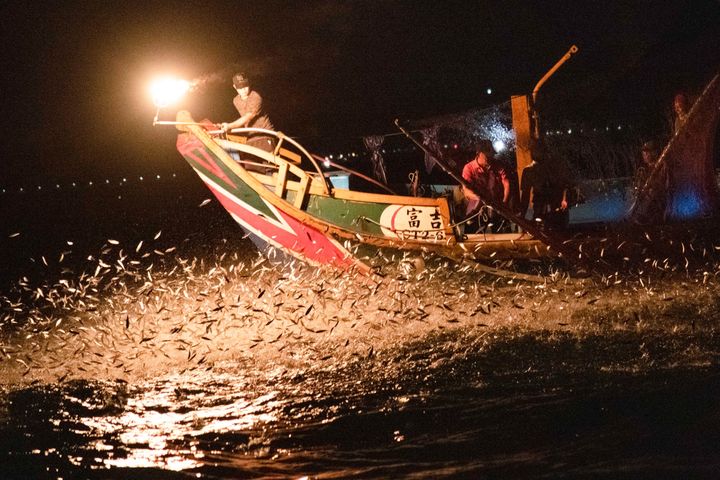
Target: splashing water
155 362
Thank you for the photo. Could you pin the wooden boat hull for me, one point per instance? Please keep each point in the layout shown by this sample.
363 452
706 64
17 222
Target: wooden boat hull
300 214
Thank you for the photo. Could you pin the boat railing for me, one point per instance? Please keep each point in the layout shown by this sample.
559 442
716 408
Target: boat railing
362 176
283 154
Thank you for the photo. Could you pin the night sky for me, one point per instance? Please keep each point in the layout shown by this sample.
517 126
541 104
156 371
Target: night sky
75 74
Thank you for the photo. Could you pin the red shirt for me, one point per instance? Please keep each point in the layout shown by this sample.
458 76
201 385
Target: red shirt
487 180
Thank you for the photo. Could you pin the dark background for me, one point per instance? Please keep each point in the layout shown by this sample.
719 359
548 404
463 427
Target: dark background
75 74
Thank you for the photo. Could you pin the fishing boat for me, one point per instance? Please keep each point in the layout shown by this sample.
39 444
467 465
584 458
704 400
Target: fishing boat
307 214
291 207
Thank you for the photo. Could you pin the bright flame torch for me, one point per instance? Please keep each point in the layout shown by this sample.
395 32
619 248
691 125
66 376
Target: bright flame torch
167 91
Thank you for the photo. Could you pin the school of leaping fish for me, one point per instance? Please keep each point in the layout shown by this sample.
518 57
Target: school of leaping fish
147 309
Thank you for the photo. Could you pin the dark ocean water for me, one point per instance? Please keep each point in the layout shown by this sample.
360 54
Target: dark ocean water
188 356
472 417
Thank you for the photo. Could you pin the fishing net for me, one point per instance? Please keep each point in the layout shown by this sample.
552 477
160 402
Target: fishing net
681 186
373 144
454 136
431 143
589 153
595 153
683 181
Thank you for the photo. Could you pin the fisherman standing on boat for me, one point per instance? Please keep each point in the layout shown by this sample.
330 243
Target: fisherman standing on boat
681 111
548 185
485 177
249 105
651 187
648 158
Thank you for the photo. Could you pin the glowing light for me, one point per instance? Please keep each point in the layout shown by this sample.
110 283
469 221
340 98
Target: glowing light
497 132
155 423
489 91
499 145
686 204
166 91
326 163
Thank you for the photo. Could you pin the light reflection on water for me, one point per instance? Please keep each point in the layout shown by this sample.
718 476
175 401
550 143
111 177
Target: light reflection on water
161 421
248 372
446 405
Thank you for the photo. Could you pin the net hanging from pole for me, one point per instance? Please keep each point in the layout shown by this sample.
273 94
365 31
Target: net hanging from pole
682 186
